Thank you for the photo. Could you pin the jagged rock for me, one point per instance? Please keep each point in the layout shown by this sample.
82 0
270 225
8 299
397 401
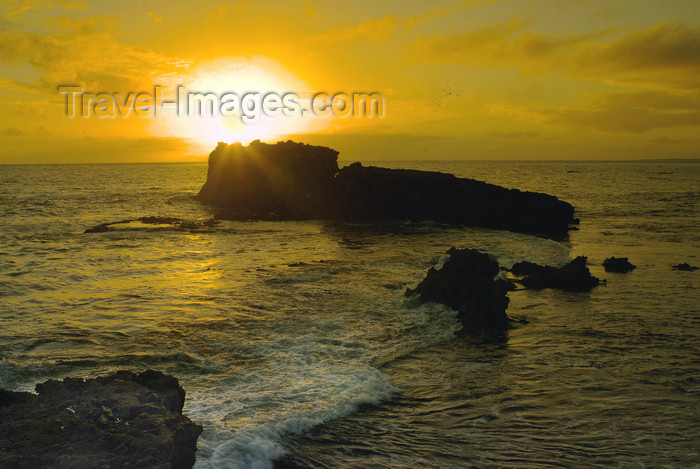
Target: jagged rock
467 283
291 180
116 421
684 267
287 180
12 397
618 264
574 276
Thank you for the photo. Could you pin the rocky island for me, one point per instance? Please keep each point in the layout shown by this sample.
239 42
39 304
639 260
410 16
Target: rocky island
296 181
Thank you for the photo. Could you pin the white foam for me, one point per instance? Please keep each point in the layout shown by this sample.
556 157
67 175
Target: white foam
309 379
515 247
289 400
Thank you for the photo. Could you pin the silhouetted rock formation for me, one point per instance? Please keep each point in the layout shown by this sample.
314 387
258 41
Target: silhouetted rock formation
684 267
574 276
466 283
291 180
618 264
287 180
120 420
369 194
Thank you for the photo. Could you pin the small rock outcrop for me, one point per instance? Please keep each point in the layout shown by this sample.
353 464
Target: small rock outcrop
620 265
121 420
684 267
467 283
574 276
294 181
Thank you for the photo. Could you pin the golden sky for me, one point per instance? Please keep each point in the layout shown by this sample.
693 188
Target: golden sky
463 79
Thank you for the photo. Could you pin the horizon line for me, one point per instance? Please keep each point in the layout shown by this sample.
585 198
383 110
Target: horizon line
350 161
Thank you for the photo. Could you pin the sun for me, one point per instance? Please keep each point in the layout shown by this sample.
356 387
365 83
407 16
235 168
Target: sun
238 75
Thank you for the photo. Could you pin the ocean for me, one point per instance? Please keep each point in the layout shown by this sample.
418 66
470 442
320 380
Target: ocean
294 339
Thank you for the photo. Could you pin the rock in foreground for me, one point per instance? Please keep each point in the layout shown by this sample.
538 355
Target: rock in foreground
116 421
467 283
289 180
574 276
620 265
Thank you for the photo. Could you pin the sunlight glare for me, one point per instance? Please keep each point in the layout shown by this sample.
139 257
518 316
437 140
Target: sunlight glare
240 76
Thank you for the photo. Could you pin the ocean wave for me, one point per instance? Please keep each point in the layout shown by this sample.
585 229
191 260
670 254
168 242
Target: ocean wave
318 394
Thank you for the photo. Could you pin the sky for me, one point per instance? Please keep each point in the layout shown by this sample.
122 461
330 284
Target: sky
462 79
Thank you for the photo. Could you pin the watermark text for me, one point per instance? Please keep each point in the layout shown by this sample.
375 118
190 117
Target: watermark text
249 107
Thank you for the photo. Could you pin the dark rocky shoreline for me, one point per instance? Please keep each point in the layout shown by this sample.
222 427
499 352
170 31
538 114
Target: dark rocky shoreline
123 420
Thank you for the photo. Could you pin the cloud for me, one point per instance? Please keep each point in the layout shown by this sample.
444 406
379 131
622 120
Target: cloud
42 130
309 8
99 150
515 135
517 112
11 132
473 48
7 84
633 112
426 15
12 9
155 18
83 26
673 141
477 3
375 30
666 54
606 12
620 112
84 52
502 44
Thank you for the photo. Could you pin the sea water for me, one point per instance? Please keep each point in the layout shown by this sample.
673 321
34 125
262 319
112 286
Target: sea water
294 339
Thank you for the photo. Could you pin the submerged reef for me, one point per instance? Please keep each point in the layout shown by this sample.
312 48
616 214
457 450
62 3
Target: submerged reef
154 223
120 420
296 181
